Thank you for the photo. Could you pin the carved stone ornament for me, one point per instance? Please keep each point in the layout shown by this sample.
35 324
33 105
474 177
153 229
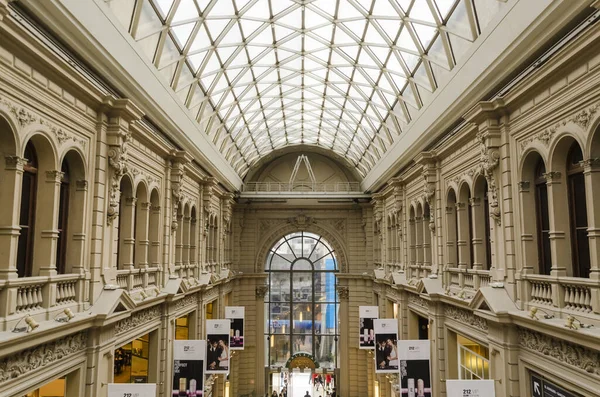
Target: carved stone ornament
117 159
15 365
261 291
489 159
418 301
465 317
582 119
15 162
186 301
137 319
301 221
343 293
566 352
428 187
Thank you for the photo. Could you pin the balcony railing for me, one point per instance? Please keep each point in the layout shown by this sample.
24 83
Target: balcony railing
301 187
467 279
36 295
134 279
572 294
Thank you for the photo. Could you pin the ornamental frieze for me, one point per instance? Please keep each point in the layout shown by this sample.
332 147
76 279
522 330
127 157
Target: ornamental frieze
418 301
15 365
582 119
186 301
465 317
561 350
137 319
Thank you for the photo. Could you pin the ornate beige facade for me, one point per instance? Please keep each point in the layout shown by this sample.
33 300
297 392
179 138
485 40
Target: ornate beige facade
453 240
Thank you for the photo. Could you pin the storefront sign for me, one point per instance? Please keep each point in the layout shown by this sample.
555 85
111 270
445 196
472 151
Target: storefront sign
386 345
217 346
415 370
366 336
188 367
541 387
470 388
236 328
131 390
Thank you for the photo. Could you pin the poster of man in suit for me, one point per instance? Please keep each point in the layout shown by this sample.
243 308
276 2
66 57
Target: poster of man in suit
386 342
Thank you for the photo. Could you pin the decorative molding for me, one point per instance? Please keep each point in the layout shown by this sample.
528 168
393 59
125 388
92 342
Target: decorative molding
186 301
582 119
137 319
465 317
561 350
418 301
301 221
552 176
15 365
343 292
54 176
117 159
15 162
149 178
489 160
261 291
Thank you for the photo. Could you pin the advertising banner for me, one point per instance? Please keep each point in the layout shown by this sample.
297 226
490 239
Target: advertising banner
386 345
217 346
366 333
470 388
236 328
188 367
131 390
415 373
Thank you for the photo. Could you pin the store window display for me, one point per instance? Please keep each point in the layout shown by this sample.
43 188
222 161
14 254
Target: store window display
131 361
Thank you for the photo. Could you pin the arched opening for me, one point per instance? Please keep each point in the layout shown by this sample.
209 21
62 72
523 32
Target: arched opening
465 224
412 238
542 218
427 222
419 235
125 233
71 214
580 247
27 212
451 230
482 246
154 229
302 304
141 220
10 182
186 235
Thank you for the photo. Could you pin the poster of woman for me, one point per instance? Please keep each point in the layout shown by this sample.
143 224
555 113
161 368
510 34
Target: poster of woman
217 346
366 333
236 329
386 345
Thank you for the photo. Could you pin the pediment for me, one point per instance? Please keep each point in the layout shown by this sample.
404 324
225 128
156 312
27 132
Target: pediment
111 303
175 286
430 286
495 300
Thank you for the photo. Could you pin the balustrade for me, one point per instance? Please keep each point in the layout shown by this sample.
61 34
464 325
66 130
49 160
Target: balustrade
563 293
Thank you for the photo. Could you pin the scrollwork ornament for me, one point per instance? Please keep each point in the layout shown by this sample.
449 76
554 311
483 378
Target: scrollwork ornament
465 317
137 319
117 159
489 160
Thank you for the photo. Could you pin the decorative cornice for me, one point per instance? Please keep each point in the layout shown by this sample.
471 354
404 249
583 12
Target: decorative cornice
137 319
566 352
418 301
465 317
16 365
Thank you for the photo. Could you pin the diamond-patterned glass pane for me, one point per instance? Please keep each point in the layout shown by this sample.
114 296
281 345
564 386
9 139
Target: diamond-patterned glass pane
346 75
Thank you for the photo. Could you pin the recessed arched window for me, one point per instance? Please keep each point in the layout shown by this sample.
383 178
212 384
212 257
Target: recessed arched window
27 212
63 220
302 306
578 213
542 218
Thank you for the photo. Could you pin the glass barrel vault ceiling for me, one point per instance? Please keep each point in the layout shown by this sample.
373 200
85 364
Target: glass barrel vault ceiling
346 75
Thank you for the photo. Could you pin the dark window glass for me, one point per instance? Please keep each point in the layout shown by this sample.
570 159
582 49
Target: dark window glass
470 236
486 219
27 213
543 221
578 213
63 216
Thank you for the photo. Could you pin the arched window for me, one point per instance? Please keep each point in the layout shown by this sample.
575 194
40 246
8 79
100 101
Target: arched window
452 230
578 213
63 220
542 219
302 305
27 213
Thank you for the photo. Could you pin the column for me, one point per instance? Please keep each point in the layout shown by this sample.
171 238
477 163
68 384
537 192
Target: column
478 237
10 197
559 220
127 241
141 234
463 239
46 223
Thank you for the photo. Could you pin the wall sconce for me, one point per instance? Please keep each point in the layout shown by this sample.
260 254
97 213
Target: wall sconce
68 316
574 323
31 324
447 291
461 294
143 294
534 310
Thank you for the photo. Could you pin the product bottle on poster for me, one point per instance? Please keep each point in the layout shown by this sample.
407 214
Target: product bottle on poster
366 335
192 387
411 387
420 388
371 335
182 387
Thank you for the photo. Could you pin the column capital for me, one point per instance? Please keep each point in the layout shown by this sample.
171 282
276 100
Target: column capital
130 201
591 164
145 206
524 186
460 206
15 163
552 176
81 185
54 176
474 201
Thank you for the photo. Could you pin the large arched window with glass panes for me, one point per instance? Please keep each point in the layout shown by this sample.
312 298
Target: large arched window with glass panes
301 308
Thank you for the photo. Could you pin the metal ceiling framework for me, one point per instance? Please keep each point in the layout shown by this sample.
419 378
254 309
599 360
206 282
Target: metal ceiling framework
345 75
